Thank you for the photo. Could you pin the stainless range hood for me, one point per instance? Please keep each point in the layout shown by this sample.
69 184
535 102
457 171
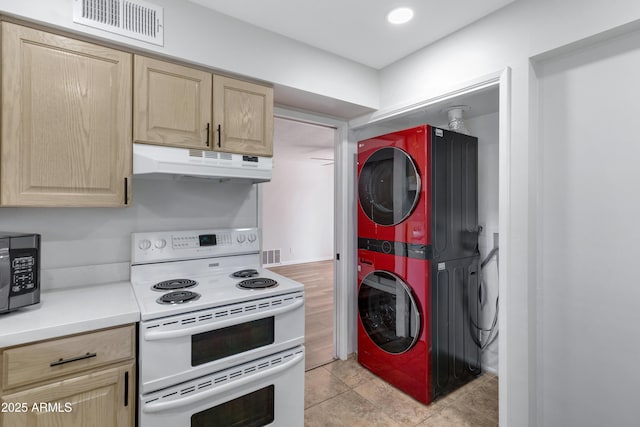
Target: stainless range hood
151 160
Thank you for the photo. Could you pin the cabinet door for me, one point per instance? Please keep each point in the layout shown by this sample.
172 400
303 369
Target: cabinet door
243 115
102 399
66 121
172 104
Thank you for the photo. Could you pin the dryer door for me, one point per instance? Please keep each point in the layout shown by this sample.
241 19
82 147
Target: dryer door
388 312
388 186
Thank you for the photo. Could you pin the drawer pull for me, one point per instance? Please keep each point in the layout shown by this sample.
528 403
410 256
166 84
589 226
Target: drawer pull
73 359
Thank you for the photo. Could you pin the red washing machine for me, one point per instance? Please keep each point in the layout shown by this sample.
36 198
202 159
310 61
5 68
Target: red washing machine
418 260
393 332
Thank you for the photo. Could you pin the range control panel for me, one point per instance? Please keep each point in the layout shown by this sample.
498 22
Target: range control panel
179 245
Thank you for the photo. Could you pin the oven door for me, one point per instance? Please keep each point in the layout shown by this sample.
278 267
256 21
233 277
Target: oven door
179 348
264 392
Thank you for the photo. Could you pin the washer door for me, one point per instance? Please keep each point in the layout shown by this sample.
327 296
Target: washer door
388 186
388 312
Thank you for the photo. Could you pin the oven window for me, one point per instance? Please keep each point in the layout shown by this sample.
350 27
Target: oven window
213 345
251 410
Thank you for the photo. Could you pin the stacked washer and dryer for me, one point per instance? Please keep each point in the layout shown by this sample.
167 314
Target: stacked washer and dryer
418 259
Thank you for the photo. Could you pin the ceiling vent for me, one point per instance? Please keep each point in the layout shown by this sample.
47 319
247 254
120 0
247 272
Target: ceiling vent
135 19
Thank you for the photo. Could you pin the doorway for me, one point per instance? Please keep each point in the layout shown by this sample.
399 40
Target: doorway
494 122
298 225
480 116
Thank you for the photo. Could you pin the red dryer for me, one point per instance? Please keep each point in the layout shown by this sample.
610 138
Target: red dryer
392 180
418 259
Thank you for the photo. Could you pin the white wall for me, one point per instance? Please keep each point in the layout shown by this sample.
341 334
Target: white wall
588 243
486 129
201 36
509 38
297 210
93 245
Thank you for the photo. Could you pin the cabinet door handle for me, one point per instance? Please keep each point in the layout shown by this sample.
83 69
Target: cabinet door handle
126 388
208 132
219 137
72 359
126 190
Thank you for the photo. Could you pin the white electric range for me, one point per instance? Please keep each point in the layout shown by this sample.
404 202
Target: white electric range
218 334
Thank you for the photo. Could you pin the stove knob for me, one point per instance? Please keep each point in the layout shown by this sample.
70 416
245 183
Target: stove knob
252 237
241 238
145 244
161 243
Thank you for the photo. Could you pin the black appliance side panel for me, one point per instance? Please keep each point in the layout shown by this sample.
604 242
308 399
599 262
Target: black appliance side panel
454 194
455 308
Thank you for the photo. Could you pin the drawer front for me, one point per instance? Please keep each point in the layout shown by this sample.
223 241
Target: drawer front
50 359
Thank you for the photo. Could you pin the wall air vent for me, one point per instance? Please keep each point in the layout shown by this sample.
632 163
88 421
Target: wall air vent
131 18
272 256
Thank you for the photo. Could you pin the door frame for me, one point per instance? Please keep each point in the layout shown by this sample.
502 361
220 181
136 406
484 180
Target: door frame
501 79
343 241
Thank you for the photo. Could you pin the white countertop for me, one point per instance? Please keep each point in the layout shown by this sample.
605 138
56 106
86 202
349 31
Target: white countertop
70 311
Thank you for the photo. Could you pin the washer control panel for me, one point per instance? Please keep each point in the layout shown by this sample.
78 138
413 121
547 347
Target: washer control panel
179 245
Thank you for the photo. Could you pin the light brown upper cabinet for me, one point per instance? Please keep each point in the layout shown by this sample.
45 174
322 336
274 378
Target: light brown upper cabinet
243 116
176 105
172 104
66 121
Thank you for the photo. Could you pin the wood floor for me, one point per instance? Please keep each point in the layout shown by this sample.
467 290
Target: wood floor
317 278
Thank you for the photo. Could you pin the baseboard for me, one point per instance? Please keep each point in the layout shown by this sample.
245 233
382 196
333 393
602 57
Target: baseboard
299 261
490 370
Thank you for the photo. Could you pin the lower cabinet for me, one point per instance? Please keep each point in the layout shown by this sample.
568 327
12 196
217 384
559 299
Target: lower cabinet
102 398
80 380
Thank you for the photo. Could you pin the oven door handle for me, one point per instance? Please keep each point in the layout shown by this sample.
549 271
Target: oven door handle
209 326
194 398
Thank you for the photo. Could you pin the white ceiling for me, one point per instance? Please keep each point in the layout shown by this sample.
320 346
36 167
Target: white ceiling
357 29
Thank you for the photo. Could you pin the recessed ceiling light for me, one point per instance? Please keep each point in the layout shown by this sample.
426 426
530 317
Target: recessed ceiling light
400 15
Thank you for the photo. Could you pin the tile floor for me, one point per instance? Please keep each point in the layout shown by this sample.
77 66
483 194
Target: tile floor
343 393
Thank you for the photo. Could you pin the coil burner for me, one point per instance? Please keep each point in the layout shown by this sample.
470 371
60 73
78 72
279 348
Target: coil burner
250 272
178 297
173 284
258 283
